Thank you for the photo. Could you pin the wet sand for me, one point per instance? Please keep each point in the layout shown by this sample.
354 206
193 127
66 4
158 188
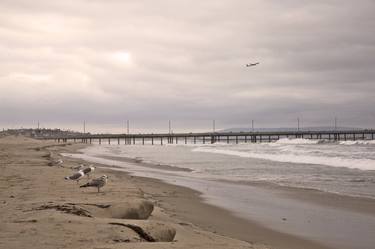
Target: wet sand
188 205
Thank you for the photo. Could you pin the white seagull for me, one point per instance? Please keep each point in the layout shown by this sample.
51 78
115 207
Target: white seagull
97 183
87 171
76 177
58 162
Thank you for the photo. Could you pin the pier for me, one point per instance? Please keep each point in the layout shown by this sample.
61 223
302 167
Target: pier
214 137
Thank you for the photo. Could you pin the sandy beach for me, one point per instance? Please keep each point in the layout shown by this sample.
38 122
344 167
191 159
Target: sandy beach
39 209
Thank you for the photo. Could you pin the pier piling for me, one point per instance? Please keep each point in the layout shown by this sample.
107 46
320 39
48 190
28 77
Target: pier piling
214 137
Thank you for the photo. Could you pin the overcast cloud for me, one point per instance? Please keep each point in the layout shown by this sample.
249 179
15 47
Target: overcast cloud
63 62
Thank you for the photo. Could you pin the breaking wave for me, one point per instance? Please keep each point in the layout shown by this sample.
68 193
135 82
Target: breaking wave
296 141
300 151
358 142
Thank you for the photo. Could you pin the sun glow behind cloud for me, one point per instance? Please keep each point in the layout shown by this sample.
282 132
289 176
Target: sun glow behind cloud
122 58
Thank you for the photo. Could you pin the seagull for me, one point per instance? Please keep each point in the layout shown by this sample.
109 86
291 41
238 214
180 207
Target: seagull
57 162
87 171
252 64
76 177
98 183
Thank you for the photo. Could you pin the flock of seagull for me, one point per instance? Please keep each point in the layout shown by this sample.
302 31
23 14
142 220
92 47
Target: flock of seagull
86 171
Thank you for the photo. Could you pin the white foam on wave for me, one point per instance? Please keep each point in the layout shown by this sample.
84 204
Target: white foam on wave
296 141
302 141
358 142
353 163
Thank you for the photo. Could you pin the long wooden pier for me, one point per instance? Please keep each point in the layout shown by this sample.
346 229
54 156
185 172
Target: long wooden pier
214 137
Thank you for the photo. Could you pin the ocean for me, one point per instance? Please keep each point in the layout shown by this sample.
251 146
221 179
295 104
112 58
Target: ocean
346 167
238 177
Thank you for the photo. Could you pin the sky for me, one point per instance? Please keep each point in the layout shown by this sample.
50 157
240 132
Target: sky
105 62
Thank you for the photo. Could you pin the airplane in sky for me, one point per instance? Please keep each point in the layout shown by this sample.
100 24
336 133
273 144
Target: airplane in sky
252 64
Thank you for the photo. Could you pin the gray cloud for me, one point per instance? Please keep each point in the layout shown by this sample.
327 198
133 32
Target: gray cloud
61 63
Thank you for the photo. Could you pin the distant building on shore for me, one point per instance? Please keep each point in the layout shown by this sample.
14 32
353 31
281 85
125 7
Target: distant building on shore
37 133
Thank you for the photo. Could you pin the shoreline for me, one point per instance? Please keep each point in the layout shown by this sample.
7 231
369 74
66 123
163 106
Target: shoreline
308 201
144 163
314 195
189 206
329 199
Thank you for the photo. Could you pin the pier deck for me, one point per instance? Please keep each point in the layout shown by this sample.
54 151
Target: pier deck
214 137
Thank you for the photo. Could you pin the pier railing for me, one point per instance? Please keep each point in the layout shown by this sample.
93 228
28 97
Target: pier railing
214 137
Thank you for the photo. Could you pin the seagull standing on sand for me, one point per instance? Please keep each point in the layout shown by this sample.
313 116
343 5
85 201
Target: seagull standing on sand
60 162
87 171
57 162
97 183
76 177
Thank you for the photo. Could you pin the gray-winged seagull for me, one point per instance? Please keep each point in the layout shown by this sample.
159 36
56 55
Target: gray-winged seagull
76 176
87 171
97 183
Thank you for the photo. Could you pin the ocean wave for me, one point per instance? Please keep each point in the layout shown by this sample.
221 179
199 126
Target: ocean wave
362 180
353 163
297 141
358 142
